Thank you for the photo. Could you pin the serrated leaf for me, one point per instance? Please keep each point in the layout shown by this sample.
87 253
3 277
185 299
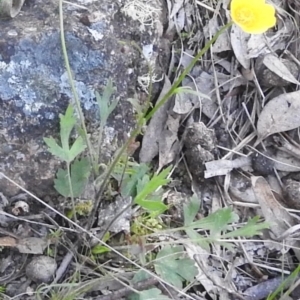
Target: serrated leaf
55 149
142 182
191 209
175 251
153 206
80 171
146 188
77 148
155 182
198 239
61 183
187 268
67 123
140 276
105 108
249 230
132 181
216 222
169 265
169 274
65 152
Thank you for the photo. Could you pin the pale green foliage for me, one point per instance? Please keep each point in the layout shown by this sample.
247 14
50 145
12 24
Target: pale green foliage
150 294
130 177
145 191
219 225
80 172
249 230
100 249
105 109
65 152
141 186
172 265
79 169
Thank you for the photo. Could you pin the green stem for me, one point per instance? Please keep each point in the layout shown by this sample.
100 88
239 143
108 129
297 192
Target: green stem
71 191
186 71
71 81
141 120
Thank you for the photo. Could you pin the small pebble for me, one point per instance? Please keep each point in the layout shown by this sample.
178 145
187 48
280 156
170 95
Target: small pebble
262 164
41 269
292 189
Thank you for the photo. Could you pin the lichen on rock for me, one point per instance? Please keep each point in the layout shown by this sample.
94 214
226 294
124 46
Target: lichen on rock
34 86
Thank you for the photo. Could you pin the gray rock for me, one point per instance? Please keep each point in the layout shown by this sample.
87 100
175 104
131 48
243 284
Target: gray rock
34 87
41 269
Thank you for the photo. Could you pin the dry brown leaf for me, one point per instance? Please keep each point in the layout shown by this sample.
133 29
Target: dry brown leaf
32 245
186 101
223 167
195 252
177 5
281 222
286 162
168 147
168 141
156 125
8 241
240 188
273 63
223 42
180 19
183 103
261 44
239 40
274 213
280 114
186 58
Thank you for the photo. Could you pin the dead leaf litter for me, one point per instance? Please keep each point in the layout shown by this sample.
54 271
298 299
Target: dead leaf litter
241 99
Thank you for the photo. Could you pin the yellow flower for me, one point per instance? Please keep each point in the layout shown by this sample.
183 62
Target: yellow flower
253 16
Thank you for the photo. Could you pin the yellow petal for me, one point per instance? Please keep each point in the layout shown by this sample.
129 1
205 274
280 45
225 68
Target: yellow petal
265 19
245 3
253 16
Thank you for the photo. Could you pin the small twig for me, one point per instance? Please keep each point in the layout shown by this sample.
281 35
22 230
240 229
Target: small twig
63 266
284 145
127 290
